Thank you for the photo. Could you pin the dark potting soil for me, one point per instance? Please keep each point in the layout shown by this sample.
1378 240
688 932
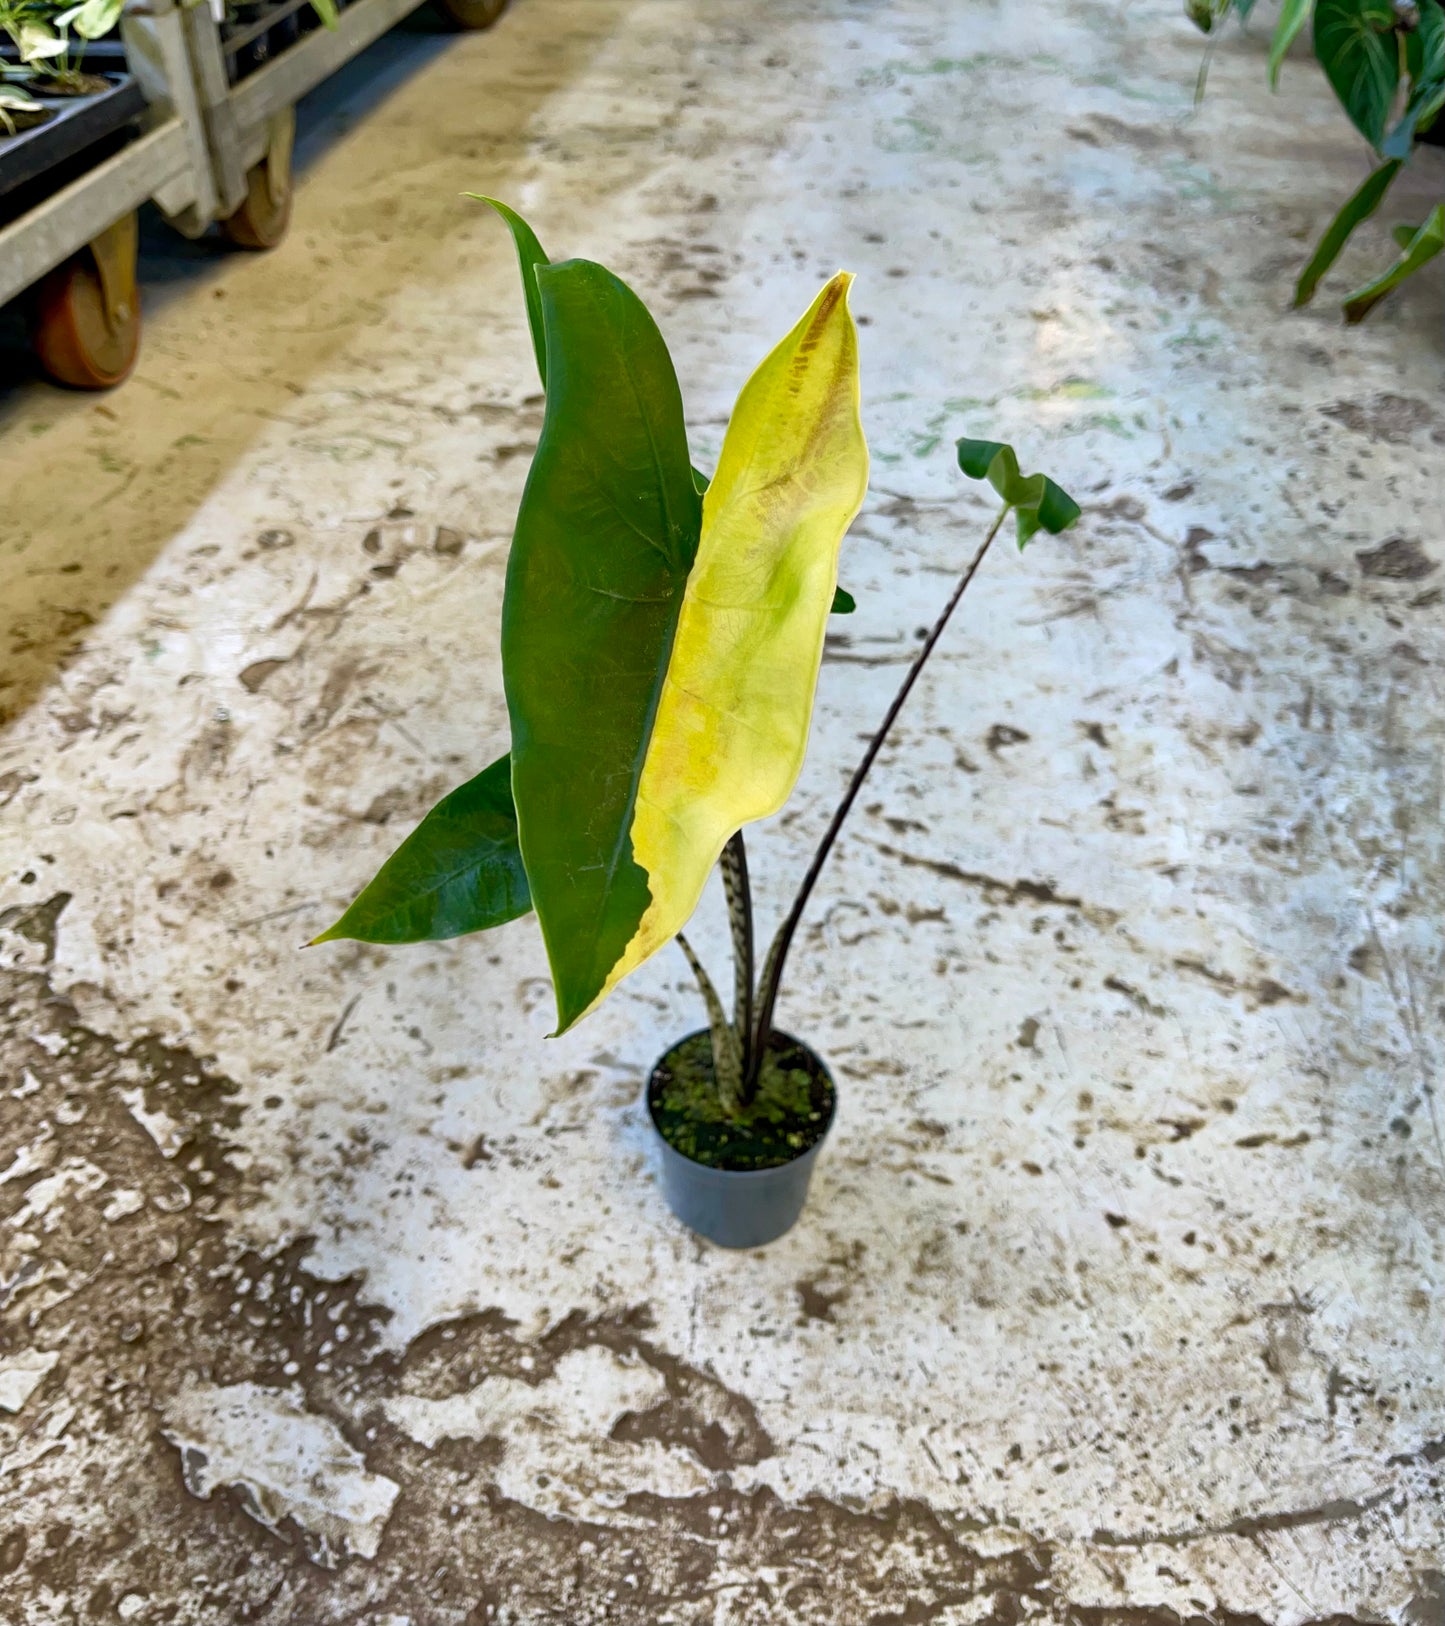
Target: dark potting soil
791 1112
73 84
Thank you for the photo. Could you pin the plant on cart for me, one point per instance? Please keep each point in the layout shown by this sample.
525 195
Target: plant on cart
662 634
18 108
1385 61
49 42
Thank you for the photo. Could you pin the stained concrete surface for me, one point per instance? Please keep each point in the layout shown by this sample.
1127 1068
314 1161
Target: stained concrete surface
333 1292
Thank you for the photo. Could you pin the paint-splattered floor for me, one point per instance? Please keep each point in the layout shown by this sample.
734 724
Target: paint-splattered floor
334 1293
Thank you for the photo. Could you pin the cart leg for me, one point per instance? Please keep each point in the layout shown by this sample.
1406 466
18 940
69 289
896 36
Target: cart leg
87 312
263 217
470 14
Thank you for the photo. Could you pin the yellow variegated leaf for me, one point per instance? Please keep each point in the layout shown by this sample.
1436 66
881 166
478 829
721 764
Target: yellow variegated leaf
731 725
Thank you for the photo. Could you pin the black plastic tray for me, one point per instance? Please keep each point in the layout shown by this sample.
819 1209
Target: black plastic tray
78 122
258 31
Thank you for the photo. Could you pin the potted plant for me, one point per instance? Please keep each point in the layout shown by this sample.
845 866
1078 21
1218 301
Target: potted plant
662 635
1385 61
40 32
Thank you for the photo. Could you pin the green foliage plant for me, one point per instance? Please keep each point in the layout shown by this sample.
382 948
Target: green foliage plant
1385 62
662 634
46 35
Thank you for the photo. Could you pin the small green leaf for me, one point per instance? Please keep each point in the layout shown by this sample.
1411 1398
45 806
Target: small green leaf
530 254
1403 235
327 12
1292 18
1427 242
1360 207
459 871
1037 502
1356 46
843 602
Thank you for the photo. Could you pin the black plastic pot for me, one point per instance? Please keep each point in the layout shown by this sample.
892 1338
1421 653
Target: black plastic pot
745 1208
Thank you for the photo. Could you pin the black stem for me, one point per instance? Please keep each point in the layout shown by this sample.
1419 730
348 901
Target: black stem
740 914
768 993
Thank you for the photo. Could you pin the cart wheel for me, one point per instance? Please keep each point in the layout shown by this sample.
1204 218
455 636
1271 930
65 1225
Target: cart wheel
262 219
87 312
469 14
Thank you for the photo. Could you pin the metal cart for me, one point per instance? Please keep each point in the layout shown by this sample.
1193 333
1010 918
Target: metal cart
69 190
249 105
200 119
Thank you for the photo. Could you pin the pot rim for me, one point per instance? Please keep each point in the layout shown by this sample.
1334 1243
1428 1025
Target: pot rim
743 1174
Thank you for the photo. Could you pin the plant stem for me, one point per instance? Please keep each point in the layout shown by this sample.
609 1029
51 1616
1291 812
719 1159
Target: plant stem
778 954
734 866
727 1056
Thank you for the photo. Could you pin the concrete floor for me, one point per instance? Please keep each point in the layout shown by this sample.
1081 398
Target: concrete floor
332 1292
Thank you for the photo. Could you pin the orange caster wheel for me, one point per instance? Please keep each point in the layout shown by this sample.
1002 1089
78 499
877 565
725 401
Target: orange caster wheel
262 219
470 14
87 312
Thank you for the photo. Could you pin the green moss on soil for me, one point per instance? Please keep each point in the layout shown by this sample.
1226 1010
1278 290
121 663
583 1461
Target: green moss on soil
791 1112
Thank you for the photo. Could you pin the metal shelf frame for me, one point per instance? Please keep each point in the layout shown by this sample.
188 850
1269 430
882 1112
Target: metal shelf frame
243 119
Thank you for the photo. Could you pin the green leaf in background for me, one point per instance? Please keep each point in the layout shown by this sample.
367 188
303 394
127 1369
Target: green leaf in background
1422 247
1360 207
530 254
92 18
1425 44
1425 63
459 871
1356 46
606 534
37 41
327 12
1037 502
1293 16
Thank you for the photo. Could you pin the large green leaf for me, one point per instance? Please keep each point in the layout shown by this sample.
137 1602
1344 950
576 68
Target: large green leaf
1356 46
1427 242
1037 502
606 534
530 254
1294 14
1360 207
459 871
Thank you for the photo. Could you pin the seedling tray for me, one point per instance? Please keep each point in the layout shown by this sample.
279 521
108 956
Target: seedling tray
77 122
